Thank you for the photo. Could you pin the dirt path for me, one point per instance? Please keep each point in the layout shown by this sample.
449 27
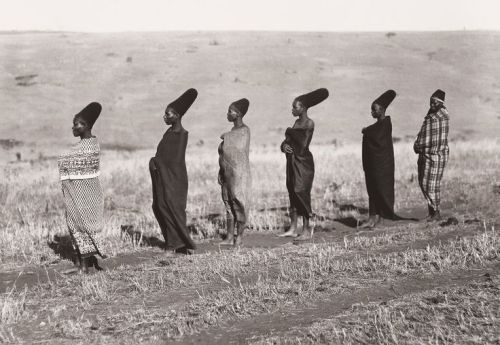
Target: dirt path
281 322
330 232
176 298
240 331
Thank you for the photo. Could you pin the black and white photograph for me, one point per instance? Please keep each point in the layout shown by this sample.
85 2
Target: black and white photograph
266 172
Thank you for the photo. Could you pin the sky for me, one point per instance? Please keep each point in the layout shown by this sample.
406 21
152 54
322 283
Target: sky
288 15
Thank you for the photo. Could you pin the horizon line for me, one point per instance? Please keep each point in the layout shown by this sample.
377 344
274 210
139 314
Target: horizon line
14 31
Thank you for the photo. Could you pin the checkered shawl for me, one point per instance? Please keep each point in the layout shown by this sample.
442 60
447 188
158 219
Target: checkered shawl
433 136
432 146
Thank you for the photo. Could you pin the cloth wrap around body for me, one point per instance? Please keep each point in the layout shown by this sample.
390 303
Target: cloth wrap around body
299 170
431 145
234 173
170 187
378 164
82 195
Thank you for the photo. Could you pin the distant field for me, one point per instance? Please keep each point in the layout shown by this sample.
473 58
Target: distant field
45 78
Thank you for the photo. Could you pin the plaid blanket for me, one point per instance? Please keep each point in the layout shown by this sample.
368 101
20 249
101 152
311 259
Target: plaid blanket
431 145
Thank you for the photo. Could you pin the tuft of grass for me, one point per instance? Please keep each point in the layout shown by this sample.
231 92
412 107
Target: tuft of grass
97 288
13 308
454 315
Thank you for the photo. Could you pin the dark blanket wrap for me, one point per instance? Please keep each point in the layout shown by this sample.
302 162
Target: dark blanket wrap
299 170
378 164
170 187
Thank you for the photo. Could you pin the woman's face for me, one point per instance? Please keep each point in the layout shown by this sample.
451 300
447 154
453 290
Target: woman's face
297 108
434 104
232 114
80 126
170 116
377 110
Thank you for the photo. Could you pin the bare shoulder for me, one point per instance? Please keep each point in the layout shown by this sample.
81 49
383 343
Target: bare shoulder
309 124
241 130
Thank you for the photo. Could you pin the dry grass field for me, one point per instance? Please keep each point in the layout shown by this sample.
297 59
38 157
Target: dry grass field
404 283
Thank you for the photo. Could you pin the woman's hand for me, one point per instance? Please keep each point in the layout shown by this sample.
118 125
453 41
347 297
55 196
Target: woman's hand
286 148
220 178
416 149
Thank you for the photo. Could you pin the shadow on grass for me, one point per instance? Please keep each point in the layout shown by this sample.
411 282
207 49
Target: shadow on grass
210 217
198 225
62 246
351 207
138 238
349 221
276 208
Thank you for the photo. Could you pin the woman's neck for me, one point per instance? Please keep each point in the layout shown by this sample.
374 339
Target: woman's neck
381 118
238 122
86 135
303 117
177 127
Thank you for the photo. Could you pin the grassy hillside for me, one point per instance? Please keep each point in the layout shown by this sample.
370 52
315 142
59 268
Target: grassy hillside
47 77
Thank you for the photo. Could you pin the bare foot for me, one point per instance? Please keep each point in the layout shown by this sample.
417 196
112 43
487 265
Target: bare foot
237 241
369 224
377 221
71 270
434 218
229 241
306 235
290 233
95 263
83 270
184 250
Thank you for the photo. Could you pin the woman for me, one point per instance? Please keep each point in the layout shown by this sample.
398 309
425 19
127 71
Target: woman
378 162
300 163
169 177
234 173
82 193
431 145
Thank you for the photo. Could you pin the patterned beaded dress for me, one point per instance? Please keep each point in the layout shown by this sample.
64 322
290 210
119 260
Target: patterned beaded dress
82 195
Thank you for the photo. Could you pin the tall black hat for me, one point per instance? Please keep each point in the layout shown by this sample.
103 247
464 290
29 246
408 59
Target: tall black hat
90 113
312 98
241 105
386 98
182 104
439 94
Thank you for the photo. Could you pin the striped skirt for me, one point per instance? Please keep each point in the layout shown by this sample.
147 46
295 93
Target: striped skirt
84 204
